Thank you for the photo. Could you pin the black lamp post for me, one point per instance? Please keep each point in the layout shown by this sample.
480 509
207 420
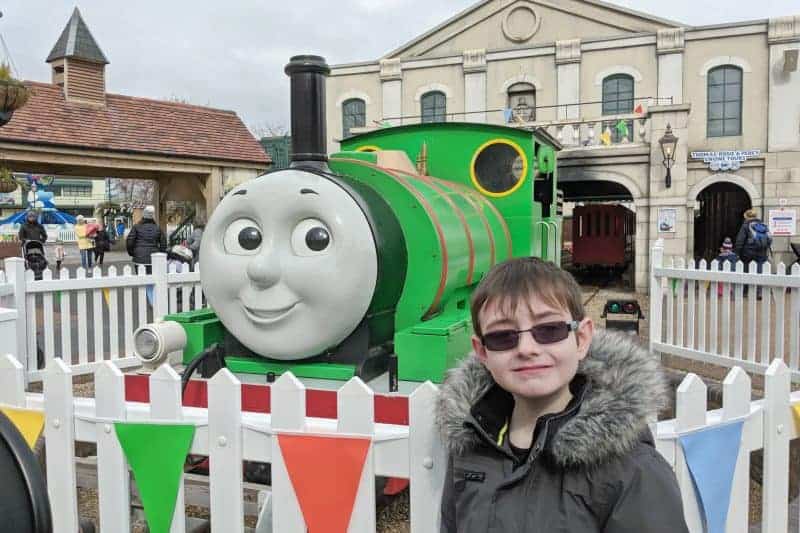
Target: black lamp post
668 143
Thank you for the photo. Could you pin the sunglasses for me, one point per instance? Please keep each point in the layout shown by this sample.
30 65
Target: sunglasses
547 333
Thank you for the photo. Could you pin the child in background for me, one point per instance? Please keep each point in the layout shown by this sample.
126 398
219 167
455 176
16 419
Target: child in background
726 253
60 254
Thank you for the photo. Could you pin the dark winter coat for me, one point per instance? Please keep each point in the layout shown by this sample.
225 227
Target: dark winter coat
32 232
592 468
102 242
145 238
746 248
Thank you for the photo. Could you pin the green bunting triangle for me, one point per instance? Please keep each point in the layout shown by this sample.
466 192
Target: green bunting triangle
156 454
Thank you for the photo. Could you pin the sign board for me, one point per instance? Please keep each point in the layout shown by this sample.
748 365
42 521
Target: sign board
782 222
725 160
667 217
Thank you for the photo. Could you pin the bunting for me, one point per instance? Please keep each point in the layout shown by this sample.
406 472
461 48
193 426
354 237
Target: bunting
711 456
605 137
325 473
796 409
622 129
638 109
29 423
156 454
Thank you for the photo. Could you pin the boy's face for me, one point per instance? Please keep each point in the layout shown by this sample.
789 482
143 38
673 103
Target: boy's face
532 370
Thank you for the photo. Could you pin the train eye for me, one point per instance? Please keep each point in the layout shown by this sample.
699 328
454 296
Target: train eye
243 237
311 237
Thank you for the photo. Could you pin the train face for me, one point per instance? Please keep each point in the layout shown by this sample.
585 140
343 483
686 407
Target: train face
289 264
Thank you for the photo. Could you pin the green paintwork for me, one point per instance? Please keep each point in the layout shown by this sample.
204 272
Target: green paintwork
203 329
253 365
430 336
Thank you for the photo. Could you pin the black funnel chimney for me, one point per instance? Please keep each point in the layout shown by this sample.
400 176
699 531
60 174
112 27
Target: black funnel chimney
307 75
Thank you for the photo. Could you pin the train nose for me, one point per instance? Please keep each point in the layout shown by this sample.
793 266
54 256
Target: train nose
264 270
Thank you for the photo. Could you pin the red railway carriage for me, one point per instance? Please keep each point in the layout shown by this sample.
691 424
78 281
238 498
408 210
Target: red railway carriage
603 236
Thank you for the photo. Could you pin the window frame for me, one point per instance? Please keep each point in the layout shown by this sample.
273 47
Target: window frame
724 101
346 106
433 113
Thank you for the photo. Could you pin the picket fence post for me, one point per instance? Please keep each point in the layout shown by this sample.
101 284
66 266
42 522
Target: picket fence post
12 381
113 479
165 404
690 413
59 433
777 417
15 270
356 416
161 286
656 261
225 452
288 399
736 398
427 459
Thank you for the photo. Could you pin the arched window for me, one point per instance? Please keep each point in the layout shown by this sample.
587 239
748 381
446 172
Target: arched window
434 106
724 101
618 100
354 115
522 102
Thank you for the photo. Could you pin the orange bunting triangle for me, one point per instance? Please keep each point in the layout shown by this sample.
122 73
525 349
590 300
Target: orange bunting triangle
29 423
325 473
638 109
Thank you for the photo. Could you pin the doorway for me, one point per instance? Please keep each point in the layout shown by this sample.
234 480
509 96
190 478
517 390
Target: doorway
721 206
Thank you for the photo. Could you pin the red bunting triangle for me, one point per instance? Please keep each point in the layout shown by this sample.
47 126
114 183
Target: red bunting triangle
638 109
325 473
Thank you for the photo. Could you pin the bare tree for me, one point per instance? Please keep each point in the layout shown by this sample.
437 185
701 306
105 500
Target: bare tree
268 129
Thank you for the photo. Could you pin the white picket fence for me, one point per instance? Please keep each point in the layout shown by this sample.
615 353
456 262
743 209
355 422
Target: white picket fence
88 319
699 311
228 436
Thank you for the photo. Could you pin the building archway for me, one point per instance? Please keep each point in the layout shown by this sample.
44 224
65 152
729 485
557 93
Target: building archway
718 215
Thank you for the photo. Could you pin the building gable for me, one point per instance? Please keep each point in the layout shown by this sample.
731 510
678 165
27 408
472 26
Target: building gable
499 24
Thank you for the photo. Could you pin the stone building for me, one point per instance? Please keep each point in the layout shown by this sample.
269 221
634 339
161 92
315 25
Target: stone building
606 81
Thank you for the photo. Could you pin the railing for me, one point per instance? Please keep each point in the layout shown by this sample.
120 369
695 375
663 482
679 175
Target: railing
230 436
183 231
710 313
90 318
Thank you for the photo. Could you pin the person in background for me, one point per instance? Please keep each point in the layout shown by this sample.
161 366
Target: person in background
120 229
102 244
194 239
726 254
753 243
60 254
146 238
85 244
31 230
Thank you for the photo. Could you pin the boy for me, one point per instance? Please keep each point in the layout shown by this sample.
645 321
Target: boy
60 254
546 425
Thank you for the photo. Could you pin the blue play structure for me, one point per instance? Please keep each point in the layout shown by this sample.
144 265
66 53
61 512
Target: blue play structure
42 201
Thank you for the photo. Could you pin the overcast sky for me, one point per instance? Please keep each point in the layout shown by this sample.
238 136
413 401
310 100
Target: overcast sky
231 54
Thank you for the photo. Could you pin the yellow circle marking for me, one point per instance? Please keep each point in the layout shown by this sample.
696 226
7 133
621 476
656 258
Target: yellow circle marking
368 148
521 179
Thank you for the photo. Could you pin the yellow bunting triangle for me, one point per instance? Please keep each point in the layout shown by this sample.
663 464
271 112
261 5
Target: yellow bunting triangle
106 296
797 415
29 423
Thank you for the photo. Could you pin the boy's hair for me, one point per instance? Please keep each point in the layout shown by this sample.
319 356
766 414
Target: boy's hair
515 280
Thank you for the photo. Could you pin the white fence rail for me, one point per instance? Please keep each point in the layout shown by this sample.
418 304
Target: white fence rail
724 316
87 319
413 452
228 436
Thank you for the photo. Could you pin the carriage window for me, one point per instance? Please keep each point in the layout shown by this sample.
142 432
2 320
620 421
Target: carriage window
498 167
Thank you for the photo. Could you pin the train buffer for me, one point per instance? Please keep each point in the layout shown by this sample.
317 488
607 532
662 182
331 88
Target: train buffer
625 315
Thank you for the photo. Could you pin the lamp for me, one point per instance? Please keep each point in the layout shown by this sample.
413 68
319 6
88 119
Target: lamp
668 143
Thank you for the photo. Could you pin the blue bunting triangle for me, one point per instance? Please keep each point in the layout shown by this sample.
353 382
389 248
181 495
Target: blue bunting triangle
711 457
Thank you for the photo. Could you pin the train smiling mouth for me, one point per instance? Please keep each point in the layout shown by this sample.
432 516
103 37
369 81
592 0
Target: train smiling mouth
267 315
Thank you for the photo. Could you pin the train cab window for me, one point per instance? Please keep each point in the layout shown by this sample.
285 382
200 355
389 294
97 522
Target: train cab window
498 167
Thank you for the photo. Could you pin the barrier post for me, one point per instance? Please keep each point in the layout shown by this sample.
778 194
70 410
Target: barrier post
161 287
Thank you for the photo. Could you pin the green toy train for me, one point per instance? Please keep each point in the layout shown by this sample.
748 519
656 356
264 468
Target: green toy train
337 265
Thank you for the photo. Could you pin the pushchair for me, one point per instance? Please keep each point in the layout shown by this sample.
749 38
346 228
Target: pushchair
33 253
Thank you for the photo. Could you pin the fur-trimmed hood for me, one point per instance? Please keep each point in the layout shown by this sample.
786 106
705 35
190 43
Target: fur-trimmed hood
626 386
